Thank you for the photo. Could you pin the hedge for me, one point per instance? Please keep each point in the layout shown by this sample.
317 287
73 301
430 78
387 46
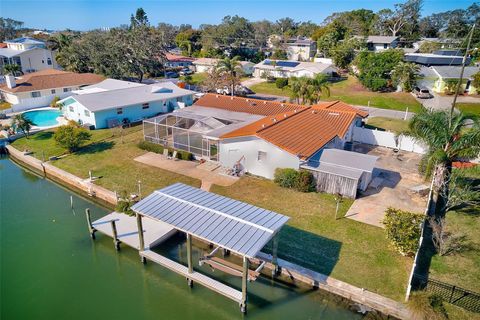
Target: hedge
157 148
403 229
280 83
302 180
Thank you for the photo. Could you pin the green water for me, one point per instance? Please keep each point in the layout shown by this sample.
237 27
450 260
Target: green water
51 269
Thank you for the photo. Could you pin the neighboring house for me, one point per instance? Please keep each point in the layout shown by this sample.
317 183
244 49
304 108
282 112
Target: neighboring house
113 102
208 64
177 61
287 69
301 49
443 42
380 43
38 89
30 54
437 58
260 136
445 73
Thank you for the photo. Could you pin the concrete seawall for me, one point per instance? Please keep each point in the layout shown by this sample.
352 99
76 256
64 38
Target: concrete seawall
294 272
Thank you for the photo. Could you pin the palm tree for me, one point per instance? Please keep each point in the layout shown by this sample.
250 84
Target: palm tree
308 90
12 69
232 69
447 140
19 121
60 42
404 75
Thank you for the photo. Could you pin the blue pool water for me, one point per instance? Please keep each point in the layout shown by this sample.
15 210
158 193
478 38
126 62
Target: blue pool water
43 118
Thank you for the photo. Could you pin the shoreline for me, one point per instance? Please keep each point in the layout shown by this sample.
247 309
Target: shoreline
107 198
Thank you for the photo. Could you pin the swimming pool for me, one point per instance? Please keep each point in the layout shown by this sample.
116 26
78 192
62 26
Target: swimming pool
43 118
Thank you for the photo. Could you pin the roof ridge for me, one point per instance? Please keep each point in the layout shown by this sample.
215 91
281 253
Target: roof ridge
281 120
255 99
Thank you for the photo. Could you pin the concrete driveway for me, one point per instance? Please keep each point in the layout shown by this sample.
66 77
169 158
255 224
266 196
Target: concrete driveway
398 173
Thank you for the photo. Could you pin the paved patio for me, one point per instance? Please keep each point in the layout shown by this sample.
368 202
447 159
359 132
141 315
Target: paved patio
207 173
397 173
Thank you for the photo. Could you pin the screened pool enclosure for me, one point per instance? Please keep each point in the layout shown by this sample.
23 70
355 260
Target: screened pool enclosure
184 131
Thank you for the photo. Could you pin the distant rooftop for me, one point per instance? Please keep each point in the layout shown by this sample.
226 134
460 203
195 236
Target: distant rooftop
290 65
453 72
378 39
25 40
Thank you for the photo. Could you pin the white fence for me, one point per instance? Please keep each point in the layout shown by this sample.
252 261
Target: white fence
386 139
32 103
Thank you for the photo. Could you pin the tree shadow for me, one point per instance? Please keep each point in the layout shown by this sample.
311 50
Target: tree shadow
43 135
96 147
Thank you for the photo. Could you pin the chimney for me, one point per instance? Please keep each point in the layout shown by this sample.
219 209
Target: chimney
10 79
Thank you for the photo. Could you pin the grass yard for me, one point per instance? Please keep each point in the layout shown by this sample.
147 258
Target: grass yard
351 91
197 78
345 249
473 108
388 124
108 158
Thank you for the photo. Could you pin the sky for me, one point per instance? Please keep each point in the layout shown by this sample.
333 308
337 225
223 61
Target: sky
91 14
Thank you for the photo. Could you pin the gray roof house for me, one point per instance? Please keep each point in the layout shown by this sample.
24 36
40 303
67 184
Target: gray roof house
380 43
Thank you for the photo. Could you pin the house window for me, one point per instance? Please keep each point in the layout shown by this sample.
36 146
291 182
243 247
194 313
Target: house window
67 89
145 106
262 156
119 111
179 99
87 113
36 94
49 61
70 108
53 91
384 46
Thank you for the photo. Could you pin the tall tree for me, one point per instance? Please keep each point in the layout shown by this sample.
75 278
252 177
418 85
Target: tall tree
404 75
231 70
19 121
12 69
9 28
139 19
405 17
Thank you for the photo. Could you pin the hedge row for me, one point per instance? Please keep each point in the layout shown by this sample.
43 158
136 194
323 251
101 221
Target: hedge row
301 180
157 148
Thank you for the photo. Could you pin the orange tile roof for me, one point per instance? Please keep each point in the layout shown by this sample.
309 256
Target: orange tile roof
247 105
3 45
176 57
51 78
340 106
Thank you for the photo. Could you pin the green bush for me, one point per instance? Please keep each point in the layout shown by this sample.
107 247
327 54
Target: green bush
71 137
157 148
293 179
281 83
403 229
124 204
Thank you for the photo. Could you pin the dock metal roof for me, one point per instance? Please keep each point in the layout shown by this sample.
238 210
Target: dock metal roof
234 225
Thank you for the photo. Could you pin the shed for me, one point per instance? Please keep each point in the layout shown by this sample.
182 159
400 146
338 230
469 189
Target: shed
341 171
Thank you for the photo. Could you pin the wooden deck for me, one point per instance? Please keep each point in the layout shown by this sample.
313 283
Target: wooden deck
154 232
197 277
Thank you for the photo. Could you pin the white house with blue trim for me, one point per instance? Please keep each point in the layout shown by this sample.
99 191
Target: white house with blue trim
114 102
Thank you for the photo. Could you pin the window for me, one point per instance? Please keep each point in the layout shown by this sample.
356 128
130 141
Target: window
145 106
49 61
87 113
119 111
179 99
70 108
36 94
53 91
262 156
67 89
384 46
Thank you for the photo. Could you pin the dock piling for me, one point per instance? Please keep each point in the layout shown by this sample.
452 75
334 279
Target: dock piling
243 304
71 201
189 258
141 241
91 229
275 269
116 242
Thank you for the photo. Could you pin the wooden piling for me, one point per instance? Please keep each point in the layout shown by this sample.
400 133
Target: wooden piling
141 241
71 201
243 304
189 258
91 229
116 242
274 255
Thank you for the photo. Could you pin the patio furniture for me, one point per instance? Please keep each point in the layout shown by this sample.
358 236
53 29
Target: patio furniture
165 153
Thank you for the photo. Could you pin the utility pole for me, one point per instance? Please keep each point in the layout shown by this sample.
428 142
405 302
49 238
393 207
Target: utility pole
464 60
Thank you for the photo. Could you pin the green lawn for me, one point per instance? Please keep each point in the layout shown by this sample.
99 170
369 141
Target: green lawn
473 108
352 92
197 78
109 159
345 249
388 124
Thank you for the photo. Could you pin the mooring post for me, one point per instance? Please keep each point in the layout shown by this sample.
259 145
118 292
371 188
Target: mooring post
243 304
141 241
91 229
71 201
116 242
274 255
189 258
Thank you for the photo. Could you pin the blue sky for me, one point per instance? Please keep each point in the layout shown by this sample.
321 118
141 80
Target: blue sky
90 14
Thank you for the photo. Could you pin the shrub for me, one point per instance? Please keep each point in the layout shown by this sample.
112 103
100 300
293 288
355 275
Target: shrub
305 181
403 229
281 83
54 104
71 137
424 305
124 204
157 148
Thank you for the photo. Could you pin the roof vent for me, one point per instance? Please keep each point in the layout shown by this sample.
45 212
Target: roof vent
285 115
231 98
295 111
333 114
216 96
247 100
264 102
274 120
282 104
263 125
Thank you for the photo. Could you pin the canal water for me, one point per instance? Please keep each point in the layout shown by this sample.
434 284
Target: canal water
51 269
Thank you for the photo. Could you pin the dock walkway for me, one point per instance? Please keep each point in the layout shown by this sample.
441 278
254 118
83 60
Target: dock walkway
127 231
197 277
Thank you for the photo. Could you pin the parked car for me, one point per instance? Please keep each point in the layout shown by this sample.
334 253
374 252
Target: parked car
171 74
240 90
185 72
422 93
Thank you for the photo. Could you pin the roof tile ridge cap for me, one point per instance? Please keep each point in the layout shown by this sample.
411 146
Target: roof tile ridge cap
305 108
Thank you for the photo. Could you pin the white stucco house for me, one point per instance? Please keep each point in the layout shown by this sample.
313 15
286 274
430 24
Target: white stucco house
380 43
301 49
30 54
38 89
258 136
208 64
113 102
287 69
